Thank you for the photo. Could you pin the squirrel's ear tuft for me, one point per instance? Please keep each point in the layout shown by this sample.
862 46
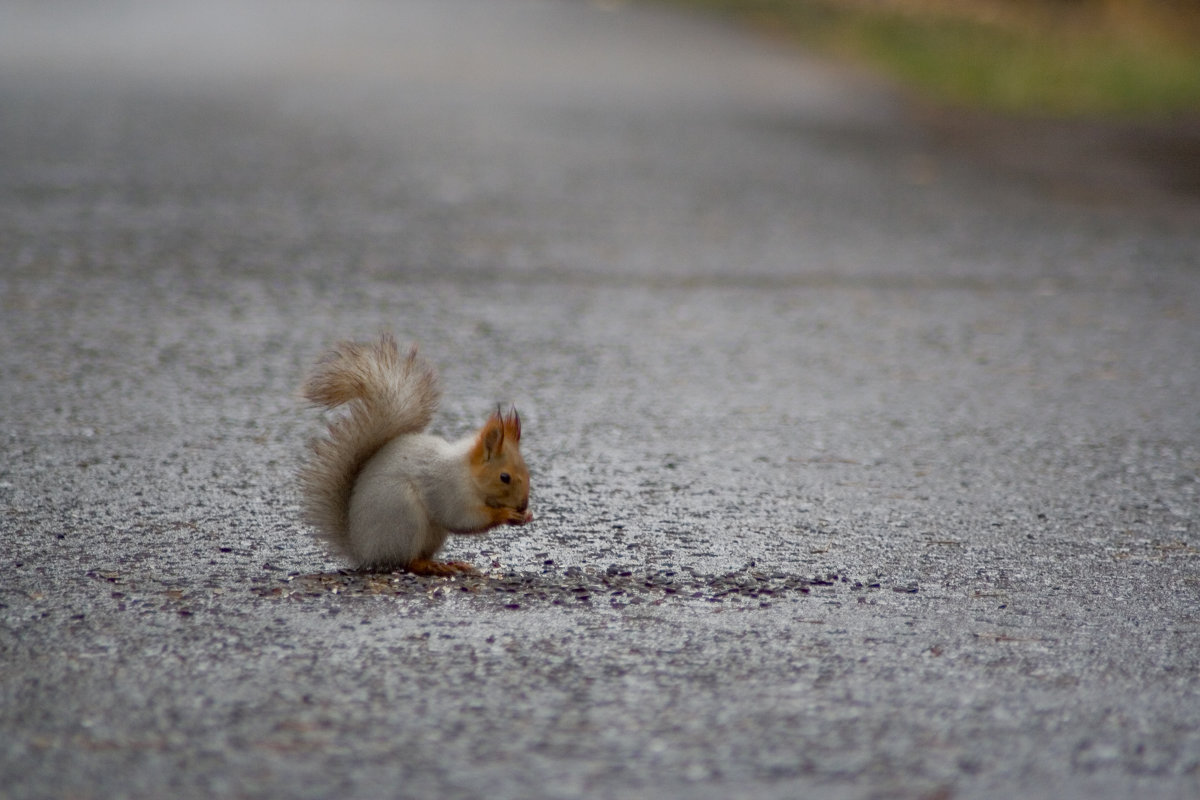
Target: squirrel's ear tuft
498 428
512 425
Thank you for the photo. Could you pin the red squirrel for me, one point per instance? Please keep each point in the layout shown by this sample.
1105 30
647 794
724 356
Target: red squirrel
384 493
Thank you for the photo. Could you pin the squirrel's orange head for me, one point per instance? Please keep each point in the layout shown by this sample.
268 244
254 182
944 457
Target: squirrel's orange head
496 464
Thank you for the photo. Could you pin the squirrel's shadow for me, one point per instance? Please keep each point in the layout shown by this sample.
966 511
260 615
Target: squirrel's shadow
552 586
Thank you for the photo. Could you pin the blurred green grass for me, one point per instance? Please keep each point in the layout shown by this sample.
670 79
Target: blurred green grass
1038 57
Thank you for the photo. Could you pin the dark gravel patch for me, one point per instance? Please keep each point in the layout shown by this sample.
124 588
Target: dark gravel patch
615 585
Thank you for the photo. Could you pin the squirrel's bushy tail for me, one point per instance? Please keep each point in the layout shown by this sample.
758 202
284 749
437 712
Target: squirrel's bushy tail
386 396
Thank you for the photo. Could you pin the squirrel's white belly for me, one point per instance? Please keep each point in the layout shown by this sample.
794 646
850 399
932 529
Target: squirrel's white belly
389 522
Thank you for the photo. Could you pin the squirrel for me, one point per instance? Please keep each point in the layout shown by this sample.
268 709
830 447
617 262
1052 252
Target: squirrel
384 493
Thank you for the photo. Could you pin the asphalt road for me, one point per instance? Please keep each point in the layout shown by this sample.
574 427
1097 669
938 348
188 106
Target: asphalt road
864 466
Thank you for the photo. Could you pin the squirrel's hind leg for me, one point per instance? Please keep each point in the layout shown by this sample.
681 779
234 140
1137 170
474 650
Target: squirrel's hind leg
426 566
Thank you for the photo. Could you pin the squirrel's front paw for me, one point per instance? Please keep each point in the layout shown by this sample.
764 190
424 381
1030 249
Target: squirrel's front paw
518 517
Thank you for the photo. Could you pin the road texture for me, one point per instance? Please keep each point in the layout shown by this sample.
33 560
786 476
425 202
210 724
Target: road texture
864 466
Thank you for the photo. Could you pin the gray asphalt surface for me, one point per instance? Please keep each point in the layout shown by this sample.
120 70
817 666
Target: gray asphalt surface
862 468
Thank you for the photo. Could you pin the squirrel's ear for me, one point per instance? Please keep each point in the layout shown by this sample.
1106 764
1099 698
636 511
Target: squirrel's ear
492 435
512 425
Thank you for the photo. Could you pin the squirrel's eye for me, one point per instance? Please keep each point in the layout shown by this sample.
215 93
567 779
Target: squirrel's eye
505 477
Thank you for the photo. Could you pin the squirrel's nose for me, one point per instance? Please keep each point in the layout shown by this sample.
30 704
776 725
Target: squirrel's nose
524 504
